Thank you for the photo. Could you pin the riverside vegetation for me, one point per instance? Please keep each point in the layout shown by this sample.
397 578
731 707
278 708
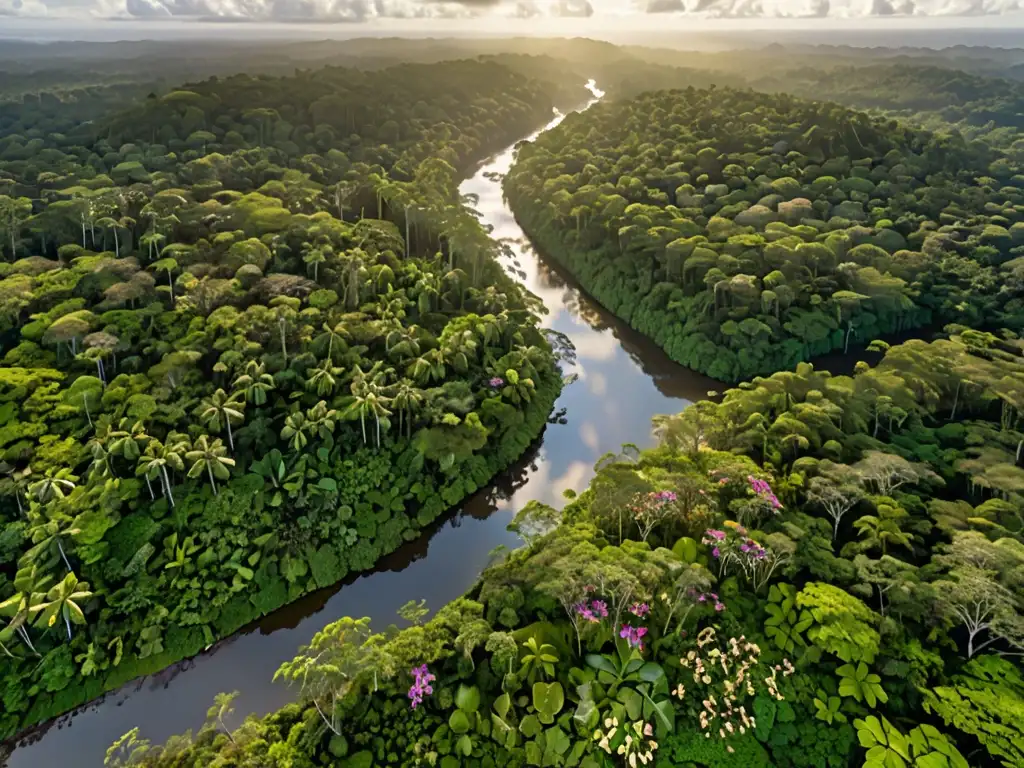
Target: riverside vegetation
812 570
745 233
253 342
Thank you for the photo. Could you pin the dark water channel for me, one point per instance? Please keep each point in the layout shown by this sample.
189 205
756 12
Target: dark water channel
622 380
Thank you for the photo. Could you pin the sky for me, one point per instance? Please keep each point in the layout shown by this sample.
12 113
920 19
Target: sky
513 16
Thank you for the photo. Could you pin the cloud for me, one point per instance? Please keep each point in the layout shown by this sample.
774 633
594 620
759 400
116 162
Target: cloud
976 7
470 3
572 9
323 11
23 8
665 6
817 9
890 7
357 11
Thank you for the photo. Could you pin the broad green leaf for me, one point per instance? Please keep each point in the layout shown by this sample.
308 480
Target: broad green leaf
467 698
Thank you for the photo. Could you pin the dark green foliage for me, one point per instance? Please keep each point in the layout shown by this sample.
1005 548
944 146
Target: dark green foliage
745 233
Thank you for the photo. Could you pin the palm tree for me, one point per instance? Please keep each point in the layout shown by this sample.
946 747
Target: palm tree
324 378
54 486
368 398
427 290
128 440
354 276
31 586
63 600
402 344
255 383
211 456
313 256
406 400
430 366
321 421
157 459
15 480
49 528
168 265
221 407
460 348
381 188
331 337
111 223
294 431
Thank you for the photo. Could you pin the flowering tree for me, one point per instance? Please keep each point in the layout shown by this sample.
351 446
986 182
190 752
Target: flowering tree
735 551
683 597
653 509
758 503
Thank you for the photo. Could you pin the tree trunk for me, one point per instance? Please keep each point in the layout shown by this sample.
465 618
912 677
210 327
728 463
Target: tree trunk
167 485
231 439
324 718
149 484
213 483
64 557
27 640
85 402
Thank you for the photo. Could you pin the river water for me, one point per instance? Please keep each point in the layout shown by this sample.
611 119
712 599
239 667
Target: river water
621 381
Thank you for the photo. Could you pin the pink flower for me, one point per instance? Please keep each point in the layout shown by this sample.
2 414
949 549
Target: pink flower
639 609
633 635
421 687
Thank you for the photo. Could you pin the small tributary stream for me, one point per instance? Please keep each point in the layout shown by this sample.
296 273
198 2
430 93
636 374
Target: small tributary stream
622 380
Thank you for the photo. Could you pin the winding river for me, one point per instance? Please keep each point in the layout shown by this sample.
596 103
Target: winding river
621 381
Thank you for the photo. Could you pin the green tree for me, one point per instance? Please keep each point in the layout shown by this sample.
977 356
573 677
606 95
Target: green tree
209 456
255 383
331 667
63 601
220 408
